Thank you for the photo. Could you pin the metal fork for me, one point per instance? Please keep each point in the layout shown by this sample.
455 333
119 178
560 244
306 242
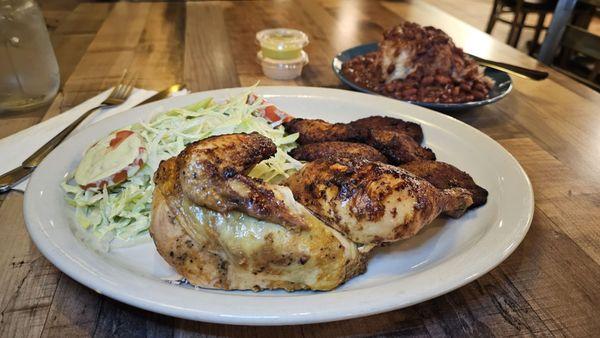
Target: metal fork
118 95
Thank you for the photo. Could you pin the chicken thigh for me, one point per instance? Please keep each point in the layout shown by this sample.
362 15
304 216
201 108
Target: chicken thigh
221 229
372 202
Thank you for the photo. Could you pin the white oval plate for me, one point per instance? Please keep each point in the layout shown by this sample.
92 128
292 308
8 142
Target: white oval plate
444 256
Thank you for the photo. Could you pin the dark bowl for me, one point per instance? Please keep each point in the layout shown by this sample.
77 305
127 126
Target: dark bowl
502 82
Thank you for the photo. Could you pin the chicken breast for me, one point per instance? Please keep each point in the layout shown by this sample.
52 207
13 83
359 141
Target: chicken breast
222 229
315 151
372 202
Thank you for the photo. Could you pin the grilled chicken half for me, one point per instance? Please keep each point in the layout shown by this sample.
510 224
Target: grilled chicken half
221 229
372 202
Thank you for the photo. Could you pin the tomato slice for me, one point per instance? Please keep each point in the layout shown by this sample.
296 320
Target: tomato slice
120 136
270 111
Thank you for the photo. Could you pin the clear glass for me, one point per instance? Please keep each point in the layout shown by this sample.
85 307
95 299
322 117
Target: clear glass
29 74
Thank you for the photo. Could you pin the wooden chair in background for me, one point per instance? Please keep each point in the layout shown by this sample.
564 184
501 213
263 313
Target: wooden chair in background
520 9
577 41
565 42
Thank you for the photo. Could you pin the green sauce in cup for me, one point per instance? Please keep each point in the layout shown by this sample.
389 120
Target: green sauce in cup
281 43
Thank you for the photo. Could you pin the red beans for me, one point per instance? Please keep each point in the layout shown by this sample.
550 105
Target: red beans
466 86
409 92
480 88
478 95
427 80
455 91
418 86
443 80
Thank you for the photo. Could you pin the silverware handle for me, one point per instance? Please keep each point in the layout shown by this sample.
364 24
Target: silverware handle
517 70
12 177
37 157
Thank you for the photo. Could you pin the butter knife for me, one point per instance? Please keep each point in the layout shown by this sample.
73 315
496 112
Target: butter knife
11 178
523 72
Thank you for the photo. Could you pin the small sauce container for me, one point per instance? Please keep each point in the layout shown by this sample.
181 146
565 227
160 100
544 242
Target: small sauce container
282 69
281 55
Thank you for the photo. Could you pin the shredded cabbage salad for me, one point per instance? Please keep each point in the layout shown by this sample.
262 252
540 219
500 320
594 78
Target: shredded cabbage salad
123 212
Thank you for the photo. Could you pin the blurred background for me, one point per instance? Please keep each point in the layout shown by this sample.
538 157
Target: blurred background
521 23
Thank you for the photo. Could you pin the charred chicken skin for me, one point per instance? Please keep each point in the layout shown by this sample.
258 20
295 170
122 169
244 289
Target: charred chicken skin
385 122
445 176
398 147
315 151
372 202
221 229
314 131
398 140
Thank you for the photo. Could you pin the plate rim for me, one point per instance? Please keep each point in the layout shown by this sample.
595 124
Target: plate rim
53 254
450 107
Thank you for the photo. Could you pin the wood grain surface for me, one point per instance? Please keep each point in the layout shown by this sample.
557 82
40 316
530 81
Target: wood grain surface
549 286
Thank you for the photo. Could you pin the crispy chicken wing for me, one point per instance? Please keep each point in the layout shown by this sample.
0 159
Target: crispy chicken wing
315 151
212 175
314 131
385 122
398 147
222 229
372 202
444 176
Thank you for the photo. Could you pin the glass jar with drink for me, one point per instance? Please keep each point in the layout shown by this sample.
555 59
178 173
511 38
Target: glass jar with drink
29 75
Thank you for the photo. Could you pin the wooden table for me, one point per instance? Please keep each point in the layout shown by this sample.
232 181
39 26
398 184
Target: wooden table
549 286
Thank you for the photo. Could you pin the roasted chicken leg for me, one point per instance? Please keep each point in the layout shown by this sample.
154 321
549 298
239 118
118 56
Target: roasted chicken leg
372 202
221 229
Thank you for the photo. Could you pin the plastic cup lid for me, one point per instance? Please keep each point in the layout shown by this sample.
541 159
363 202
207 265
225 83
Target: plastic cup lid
302 59
282 39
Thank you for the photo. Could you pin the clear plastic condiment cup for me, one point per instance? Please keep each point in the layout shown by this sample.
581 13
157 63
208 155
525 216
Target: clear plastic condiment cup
281 43
282 69
281 54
